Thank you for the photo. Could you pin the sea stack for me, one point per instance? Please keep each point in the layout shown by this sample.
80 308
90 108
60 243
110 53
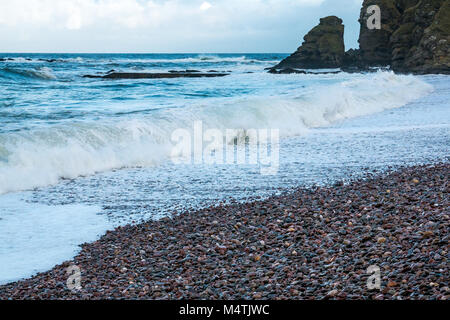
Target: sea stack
323 47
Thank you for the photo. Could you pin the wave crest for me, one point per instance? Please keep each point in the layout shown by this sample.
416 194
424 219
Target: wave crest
38 158
43 73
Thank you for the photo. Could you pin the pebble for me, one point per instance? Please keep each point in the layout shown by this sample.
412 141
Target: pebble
250 250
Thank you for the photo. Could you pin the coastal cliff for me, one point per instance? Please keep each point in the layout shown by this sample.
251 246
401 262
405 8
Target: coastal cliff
429 41
414 38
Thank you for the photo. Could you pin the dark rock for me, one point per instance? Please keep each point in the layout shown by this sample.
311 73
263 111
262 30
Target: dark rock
323 47
185 71
296 71
402 39
286 71
375 48
48 60
353 61
422 43
414 36
131 75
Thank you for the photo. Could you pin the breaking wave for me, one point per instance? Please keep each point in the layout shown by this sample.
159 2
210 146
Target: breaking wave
41 157
43 73
198 59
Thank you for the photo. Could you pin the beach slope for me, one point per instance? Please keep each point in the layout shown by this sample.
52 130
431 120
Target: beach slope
307 244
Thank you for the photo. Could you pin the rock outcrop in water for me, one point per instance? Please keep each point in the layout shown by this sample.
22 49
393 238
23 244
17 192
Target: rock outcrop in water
169 75
414 38
323 47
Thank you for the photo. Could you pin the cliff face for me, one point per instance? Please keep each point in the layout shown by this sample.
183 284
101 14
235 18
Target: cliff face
375 47
323 47
414 36
406 34
430 44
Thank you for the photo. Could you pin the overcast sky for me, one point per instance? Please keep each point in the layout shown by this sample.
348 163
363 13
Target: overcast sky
167 25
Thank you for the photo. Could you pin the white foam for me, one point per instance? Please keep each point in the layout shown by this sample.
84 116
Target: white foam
41 157
35 237
198 59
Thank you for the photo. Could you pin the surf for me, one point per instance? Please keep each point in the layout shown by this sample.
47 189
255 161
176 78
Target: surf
43 156
40 73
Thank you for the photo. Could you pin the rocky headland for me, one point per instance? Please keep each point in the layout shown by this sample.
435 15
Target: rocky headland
414 38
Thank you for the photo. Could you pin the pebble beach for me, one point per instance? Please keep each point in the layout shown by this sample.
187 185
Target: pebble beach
305 244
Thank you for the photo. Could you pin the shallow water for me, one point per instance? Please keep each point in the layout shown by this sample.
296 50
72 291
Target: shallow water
98 151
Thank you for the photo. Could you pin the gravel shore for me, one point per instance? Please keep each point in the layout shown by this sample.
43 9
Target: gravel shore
312 243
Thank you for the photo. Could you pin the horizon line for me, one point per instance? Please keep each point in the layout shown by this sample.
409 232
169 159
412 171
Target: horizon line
130 52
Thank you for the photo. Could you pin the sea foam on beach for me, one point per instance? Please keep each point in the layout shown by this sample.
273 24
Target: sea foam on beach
35 237
80 156
66 148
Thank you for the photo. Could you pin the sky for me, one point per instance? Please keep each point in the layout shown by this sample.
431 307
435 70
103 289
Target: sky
167 26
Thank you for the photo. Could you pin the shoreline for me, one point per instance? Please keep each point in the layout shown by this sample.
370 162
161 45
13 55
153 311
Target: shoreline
314 243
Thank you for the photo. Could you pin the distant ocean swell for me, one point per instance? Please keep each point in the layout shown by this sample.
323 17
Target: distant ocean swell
41 157
40 68
43 73
189 60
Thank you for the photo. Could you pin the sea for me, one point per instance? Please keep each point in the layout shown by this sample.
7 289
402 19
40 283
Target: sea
80 156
